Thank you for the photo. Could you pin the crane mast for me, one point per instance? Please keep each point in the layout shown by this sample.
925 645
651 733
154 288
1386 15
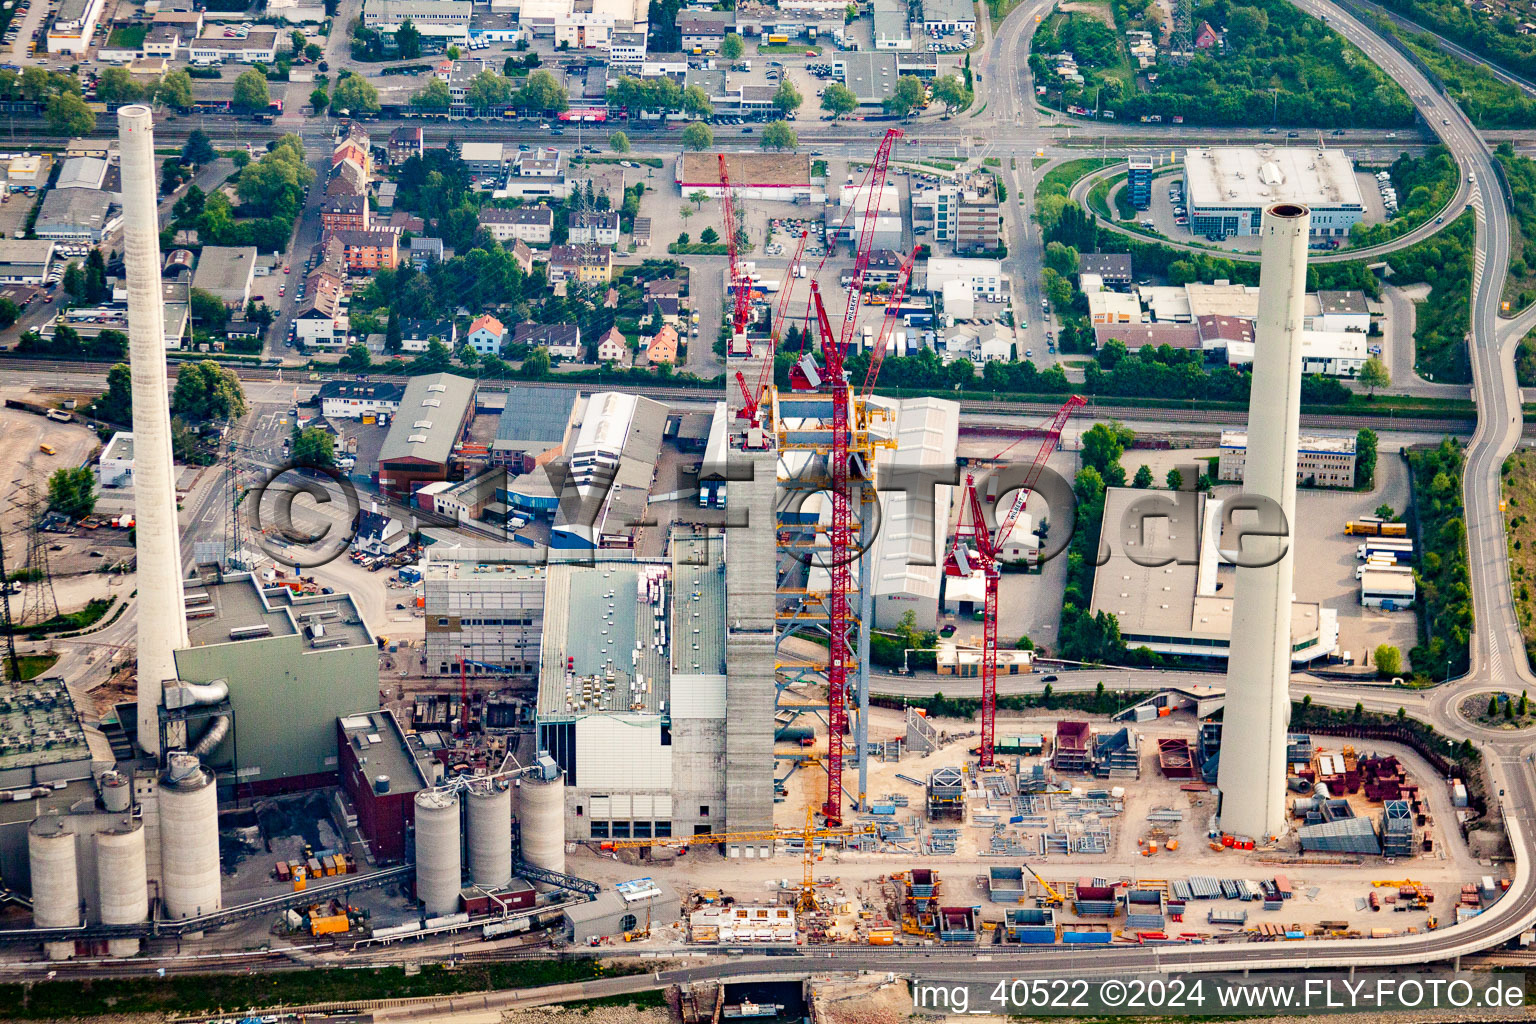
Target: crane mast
741 304
986 557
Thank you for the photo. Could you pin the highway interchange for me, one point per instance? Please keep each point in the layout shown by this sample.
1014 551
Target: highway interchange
1013 125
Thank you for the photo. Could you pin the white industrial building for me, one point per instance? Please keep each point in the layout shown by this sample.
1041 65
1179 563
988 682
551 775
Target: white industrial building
1185 607
984 276
439 19
1228 187
117 461
485 611
613 450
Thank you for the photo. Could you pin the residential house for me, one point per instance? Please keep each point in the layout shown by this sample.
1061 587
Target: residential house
523 255
373 249
424 251
662 348
593 227
347 178
533 224
1206 37
404 143
663 286
348 399
703 31
415 335
661 311
345 213
562 340
584 264
613 348
316 328
486 335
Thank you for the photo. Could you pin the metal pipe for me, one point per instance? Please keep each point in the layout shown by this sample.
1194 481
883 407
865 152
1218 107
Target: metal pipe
162 622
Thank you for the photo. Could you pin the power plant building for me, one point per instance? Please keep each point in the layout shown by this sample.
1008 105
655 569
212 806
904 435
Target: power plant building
1228 187
487 613
632 694
381 774
294 663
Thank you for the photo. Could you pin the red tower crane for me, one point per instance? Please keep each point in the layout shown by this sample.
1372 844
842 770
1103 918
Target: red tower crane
985 554
751 399
833 380
741 306
888 323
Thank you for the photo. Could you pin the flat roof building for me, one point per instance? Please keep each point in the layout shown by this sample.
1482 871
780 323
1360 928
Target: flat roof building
870 76
24 261
1228 187
76 214
482 610
1321 460
1185 606
444 19
227 273
533 426
293 663
381 773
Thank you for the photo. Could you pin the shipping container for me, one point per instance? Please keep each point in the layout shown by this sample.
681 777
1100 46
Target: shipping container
329 925
1083 934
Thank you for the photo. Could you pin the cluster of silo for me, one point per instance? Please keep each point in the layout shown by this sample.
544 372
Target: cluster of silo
189 839
439 869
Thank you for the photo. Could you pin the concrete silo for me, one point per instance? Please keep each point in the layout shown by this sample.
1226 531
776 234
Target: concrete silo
55 881
121 880
490 833
189 839
541 821
439 870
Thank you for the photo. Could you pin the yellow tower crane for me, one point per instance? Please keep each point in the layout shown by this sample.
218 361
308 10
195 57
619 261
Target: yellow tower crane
806 901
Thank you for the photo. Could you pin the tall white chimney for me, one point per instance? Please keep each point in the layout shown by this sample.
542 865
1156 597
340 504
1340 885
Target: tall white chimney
161 611
1258 708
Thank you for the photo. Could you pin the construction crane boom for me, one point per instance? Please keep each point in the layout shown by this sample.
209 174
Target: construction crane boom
1056 897
987 555
741 306
888 322
752 398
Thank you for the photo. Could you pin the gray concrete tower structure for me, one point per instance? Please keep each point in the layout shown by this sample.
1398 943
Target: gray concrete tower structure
1252 771
161 611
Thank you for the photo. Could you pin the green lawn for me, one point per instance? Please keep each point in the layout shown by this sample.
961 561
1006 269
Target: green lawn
32 665
129 37
790 48
73 999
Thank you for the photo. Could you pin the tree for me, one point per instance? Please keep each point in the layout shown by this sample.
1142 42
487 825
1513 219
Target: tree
356 358
697 136
433 96
1389 661
1143 477
1509 709
175 90
696 102
1103 444
1063 260
618 142
778 135
951 91
356 95
1373 375
839 100
72 491
787 99
116 403
1246 26
207 391
74 281
1524 704
698 197
68 115
319 99
709 236
393 335
1493 706
407 40
1365 457
543 94
732 46
313 447
9 311
908 95
199 149
250 92
208 310
1386 512
116 87
536 363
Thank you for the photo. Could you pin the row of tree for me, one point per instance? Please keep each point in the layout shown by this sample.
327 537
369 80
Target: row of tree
1445 583
489 92
204 391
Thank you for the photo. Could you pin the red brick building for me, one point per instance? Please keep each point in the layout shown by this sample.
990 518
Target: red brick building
368 250
381 775
345 213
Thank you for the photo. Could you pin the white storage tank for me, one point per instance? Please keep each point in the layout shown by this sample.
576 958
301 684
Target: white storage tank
541 821
189 839
439 873
55 882
122 880
490 833
116 792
